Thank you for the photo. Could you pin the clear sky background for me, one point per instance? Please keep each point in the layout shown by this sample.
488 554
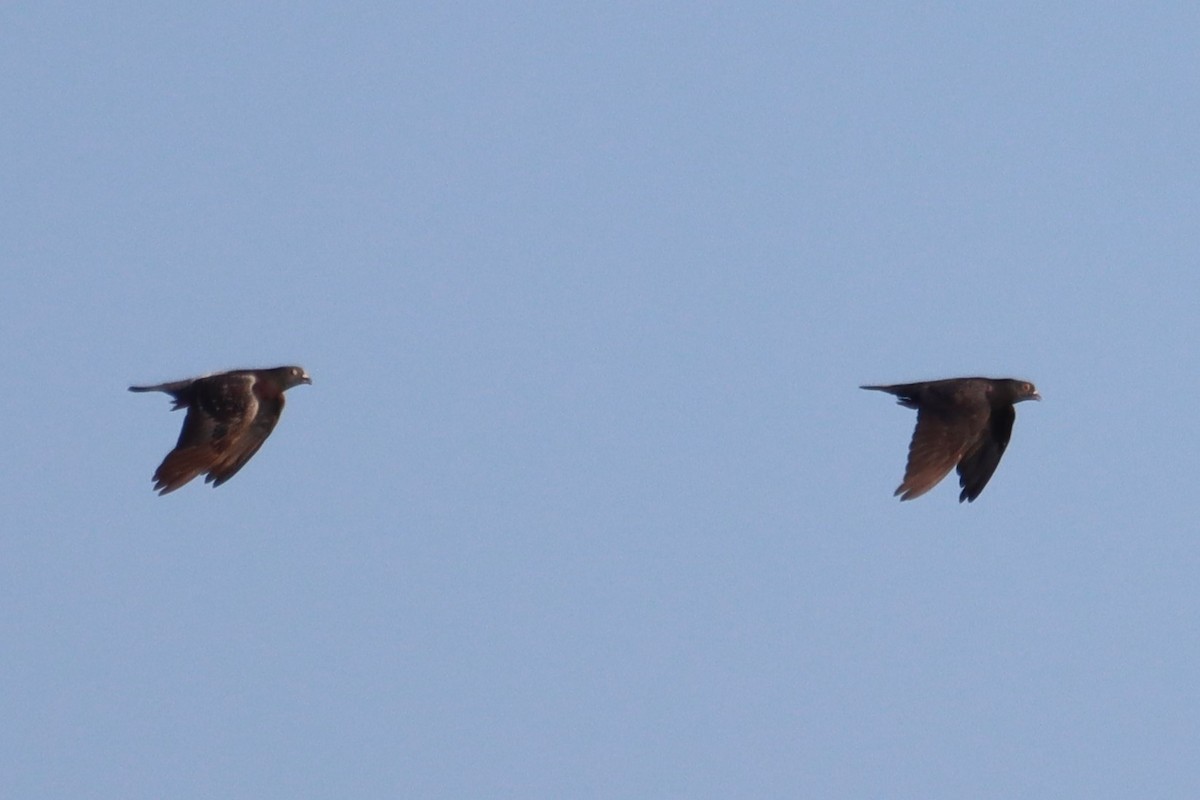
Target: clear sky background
584 501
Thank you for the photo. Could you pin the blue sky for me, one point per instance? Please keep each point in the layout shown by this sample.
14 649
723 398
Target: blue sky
584 500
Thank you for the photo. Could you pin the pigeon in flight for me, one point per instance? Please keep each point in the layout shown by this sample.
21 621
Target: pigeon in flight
960 421
229 416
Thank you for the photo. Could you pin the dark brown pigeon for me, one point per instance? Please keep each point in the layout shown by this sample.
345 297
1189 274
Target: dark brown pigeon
229 416
960 421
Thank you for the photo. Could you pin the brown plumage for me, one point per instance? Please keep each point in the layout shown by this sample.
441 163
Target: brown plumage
229 416
963 422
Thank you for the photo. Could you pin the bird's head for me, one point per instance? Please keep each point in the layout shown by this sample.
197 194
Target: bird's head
1024 390
291 376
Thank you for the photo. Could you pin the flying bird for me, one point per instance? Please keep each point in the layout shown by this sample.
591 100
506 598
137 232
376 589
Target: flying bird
960 421
229 416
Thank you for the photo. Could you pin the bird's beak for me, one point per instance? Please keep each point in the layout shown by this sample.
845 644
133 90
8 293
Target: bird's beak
1035 396
305 379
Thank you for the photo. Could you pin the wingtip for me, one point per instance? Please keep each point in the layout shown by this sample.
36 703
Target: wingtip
907 492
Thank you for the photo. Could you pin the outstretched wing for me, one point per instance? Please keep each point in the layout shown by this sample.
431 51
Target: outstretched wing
942 436
978 465
220 411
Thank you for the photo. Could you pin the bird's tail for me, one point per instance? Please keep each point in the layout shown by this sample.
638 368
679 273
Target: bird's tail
898 389
905 392
169 388
177 390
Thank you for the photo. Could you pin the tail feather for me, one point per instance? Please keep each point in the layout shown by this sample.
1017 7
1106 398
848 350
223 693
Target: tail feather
170 388
906 393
